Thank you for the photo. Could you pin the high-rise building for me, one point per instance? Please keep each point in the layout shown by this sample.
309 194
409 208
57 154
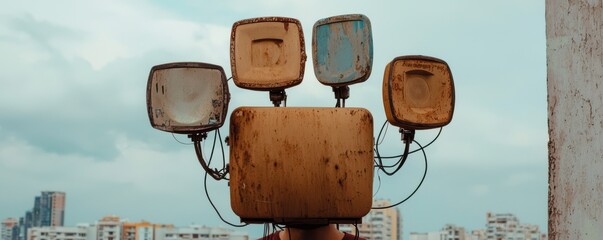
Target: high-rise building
48 210
378 223
8 227
502 226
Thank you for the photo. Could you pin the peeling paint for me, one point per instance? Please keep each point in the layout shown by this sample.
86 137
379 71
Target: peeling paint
342 49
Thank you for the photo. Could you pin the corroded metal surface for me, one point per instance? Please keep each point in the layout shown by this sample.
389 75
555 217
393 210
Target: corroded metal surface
418 92
187 97
342 49
575 110
267 53
289 164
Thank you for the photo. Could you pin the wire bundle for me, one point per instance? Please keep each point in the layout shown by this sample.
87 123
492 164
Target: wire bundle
401 160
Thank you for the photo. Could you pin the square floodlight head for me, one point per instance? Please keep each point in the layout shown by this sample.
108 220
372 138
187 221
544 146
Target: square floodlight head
267 53
342 49
187 97
418 92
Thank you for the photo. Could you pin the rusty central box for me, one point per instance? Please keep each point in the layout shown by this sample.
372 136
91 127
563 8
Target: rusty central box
294 165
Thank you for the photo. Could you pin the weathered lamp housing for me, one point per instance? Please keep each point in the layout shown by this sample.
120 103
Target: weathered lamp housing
187 97
418 92
267 53
342 49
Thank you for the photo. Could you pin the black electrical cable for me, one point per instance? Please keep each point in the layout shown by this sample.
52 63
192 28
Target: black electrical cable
225 169
383 139
418 186
378 186
183 143
400 162
213 147
215 174
411 152
379 164
214 206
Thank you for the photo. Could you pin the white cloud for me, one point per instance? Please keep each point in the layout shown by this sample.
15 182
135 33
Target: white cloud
102 33
138 171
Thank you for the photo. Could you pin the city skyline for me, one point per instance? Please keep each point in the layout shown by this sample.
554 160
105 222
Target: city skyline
469 234
377 224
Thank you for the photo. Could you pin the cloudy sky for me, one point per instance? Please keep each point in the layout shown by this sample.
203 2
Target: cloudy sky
73 118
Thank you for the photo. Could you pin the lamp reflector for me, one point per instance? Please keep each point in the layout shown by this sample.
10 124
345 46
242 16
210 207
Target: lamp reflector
187 97
267 53
418 92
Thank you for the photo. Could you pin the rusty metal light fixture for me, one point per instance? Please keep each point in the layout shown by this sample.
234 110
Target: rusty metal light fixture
190 98
187 97
418 92
342 50
268 54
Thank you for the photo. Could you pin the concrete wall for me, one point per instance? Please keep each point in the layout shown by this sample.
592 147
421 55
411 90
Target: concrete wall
575 100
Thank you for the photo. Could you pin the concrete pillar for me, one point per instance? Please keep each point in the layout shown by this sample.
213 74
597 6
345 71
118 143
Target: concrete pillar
575 109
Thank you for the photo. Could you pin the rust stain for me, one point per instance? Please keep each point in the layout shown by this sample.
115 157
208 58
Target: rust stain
300 155
303 58
553 211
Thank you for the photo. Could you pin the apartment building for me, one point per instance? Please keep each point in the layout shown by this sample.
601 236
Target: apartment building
59 233
108 228
505 226
7 228
448 232
378 224
114 228
196 232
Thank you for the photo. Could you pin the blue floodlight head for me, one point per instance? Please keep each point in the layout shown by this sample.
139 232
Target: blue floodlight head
342 50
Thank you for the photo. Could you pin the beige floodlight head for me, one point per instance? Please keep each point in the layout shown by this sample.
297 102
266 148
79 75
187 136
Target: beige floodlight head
418 92
267 53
